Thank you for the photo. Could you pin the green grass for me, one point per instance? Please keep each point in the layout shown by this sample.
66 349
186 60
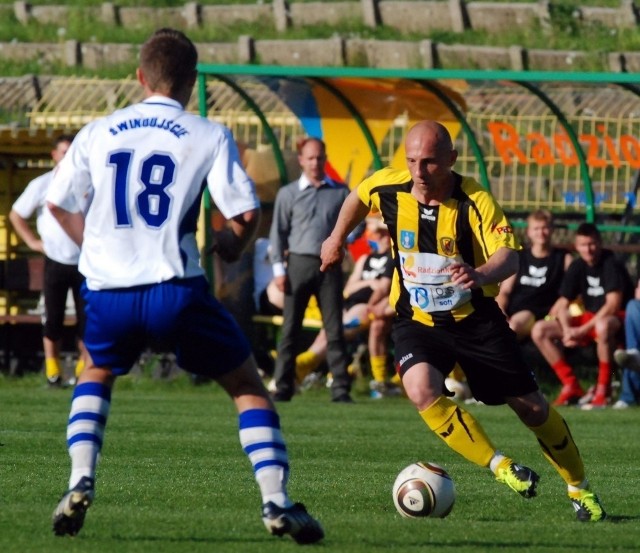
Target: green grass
173 477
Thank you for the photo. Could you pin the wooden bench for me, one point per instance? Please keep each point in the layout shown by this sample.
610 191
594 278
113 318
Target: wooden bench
277 320
273 326
21 277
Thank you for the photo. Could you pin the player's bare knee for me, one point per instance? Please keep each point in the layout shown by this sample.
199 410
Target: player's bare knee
532 409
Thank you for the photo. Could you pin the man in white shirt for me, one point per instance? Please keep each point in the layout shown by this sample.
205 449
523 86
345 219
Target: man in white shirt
145 168
61 264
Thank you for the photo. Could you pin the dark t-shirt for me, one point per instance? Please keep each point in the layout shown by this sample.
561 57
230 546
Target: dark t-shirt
592 284
376 266
537 282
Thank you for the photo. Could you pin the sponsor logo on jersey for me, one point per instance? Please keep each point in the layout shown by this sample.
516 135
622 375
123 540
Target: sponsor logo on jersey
404 359
505 229
427 214
595 289
537 277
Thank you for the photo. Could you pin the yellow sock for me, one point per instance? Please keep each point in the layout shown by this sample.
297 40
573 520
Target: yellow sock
52 368
504 463
79 366
379 367
395 379
559 448
460 431
306 362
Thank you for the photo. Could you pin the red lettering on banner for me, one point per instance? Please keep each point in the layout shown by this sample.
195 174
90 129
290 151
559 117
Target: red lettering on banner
562 144
592 151
611 147
600 151
505 137
540 149
630 148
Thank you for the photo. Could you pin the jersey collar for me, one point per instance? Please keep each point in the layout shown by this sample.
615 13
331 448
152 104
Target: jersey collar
162 100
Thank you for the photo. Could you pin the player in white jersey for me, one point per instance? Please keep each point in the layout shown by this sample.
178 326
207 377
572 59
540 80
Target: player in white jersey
144 169
60 264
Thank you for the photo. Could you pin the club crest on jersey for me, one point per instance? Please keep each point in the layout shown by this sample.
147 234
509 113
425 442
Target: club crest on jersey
407 239
448 246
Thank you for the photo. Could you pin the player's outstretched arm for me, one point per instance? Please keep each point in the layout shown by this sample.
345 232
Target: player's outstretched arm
352 212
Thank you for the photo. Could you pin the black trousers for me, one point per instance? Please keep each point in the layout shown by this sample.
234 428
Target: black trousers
58 279
305 280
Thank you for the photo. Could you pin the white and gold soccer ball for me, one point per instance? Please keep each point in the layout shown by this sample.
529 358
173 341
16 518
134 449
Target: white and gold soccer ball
424 490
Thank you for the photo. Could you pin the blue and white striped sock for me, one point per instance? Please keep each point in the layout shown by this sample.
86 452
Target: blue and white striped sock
85 430
263 443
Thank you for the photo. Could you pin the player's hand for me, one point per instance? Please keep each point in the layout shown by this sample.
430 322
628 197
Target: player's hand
573 336
37 246
282 283
331 253
465 276
225 244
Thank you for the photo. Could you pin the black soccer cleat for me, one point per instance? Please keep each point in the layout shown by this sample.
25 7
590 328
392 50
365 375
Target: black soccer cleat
68 516
294 520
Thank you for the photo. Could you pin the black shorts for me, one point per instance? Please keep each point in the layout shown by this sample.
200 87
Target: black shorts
361 296
482 344
266 307
59 278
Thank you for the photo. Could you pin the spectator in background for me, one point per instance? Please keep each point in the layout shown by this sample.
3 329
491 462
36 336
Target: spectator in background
367 303
305 211
603 285
268 299
529 295
367 309
60 265
629 359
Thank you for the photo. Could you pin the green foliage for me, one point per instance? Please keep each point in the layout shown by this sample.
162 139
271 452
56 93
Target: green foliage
173 478
567 31
143 3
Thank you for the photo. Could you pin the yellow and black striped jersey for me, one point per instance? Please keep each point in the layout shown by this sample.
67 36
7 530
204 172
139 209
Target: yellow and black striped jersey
470 226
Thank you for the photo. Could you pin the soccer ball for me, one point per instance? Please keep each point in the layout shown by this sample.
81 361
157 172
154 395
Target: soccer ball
424 490
460 389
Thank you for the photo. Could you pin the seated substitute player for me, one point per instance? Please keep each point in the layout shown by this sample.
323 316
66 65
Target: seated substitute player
529 295
267 298
366 309
628 359
452 245
603 286
145 168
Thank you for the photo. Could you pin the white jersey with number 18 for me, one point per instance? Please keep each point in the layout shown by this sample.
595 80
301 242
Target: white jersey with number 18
143 170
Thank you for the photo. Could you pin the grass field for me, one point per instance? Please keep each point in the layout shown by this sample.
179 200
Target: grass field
173 477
